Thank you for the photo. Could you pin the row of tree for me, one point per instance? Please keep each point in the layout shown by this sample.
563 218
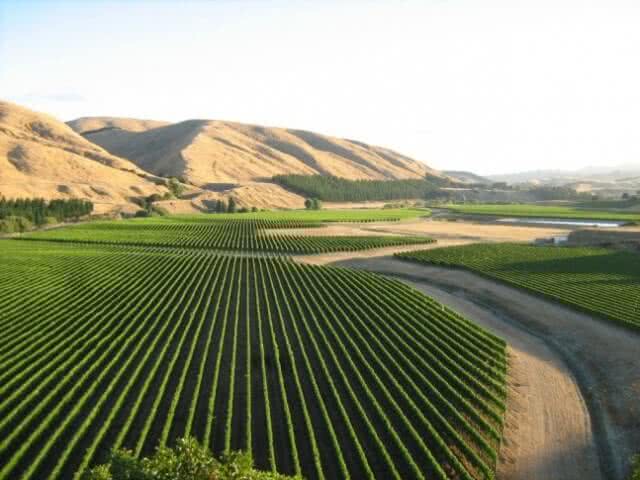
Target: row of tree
38 211
231 207
336 189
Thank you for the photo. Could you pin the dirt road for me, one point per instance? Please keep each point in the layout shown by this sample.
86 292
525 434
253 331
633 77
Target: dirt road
574 405
439 230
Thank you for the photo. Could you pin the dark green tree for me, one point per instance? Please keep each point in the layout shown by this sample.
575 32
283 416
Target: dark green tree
232 207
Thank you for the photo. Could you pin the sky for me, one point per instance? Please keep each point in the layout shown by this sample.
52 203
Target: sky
481 85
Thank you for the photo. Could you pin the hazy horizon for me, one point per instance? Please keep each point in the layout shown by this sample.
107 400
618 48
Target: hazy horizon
503 88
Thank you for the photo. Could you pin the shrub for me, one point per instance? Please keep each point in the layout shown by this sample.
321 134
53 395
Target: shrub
175 187
188 461
157 210
312 204
14 224
635 468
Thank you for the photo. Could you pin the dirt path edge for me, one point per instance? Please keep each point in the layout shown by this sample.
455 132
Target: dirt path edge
606 457
602 356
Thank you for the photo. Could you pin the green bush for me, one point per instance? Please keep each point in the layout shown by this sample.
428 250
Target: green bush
188 461
15 224
312 204
175 187
635 468
157 210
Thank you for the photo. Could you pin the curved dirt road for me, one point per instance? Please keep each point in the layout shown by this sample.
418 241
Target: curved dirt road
545 409
574 405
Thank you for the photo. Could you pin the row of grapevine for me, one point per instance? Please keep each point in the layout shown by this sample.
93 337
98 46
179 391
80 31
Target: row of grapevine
326 372
598 281
235 235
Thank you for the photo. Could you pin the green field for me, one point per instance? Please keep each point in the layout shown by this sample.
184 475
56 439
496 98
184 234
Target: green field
328 372
602 282
543 211
347 215
615 204
215 232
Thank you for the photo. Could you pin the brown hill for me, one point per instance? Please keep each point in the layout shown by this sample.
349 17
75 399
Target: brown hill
42 157
206 152
85 125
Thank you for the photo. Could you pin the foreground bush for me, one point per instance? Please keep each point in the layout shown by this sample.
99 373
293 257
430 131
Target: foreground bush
635 468
188 461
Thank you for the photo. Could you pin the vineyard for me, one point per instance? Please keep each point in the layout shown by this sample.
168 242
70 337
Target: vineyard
211 232
544 211
326 372
352 215
601 282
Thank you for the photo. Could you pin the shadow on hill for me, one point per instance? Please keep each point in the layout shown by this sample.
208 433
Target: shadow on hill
323 144
219 187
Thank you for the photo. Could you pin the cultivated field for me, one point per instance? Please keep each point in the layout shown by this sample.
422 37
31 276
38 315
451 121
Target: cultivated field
232 232
336 215
599 281
543 211
328 372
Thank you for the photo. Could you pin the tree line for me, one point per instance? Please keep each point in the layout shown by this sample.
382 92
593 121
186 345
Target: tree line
337 189
39 211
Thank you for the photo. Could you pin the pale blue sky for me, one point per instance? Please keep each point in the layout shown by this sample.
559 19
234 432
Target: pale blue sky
485 85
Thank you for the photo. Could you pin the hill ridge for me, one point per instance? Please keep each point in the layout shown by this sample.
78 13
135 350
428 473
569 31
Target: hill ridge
41 156
210 151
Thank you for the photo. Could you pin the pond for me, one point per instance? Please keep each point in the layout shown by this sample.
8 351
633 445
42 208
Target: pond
569 222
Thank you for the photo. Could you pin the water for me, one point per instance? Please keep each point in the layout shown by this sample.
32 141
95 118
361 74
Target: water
569 222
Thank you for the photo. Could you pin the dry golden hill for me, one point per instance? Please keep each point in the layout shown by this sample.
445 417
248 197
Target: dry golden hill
42 157
85 125
207 152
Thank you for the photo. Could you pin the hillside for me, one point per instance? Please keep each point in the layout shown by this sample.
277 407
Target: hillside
206 152
42 157
85 125
466 177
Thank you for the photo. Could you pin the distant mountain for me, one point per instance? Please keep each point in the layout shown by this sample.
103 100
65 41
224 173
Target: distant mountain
42 157
466 177
598 174
208 151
